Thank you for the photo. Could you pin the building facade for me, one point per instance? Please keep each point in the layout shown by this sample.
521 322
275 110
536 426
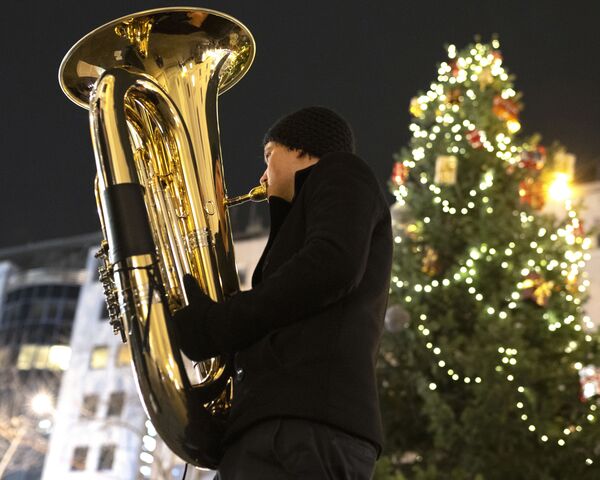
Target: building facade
39 290
99 421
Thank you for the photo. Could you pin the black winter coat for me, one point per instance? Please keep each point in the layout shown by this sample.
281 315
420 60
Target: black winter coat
307 334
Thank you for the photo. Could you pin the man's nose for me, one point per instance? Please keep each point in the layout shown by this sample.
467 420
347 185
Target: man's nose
264 178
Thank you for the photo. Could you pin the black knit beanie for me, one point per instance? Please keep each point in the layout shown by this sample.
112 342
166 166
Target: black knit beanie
313 130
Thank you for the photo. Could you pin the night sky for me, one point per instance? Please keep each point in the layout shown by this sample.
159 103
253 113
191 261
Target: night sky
364 59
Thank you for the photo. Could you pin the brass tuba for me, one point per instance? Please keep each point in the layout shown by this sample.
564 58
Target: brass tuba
151 81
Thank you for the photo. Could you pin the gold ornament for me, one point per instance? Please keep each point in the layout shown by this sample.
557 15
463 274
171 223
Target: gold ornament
572 283
485 78
416 109
445 169
453 96
537 289
430 265
414 230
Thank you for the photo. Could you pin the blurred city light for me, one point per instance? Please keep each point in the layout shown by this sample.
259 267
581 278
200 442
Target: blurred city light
42 404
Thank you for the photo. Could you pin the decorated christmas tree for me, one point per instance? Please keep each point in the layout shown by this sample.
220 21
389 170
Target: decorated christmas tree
488 364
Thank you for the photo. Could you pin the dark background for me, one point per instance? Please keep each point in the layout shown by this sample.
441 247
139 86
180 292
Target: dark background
364 59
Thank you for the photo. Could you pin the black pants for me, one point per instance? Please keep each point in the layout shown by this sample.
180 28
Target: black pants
287 448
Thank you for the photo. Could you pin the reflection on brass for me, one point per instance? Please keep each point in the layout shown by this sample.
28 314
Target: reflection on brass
137 32
196 18
155 133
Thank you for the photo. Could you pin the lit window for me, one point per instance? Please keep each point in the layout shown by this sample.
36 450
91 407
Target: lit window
115 404
123 355
99 358
107 457
41 357
59 357
79 458
89 406
26 357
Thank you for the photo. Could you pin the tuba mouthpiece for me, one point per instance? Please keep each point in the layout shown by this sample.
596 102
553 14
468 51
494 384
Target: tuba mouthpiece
257 194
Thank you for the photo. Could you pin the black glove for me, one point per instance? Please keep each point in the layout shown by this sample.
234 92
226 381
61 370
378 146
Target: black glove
193 325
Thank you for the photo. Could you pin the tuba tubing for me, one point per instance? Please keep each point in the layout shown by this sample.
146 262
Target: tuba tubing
151 82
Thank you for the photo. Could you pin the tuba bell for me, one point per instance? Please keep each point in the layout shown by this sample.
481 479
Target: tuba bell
151 81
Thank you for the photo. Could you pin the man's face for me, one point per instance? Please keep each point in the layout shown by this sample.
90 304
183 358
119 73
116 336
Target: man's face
282 165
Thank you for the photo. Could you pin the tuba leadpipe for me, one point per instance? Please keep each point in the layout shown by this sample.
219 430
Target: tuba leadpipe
151 82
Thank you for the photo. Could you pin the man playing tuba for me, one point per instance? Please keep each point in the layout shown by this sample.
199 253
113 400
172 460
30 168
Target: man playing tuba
305 337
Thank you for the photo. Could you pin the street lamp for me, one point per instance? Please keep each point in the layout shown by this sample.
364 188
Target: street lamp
42 404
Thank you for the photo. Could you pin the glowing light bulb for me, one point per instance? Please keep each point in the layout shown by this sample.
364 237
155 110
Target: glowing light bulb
560 189
513 126
42 403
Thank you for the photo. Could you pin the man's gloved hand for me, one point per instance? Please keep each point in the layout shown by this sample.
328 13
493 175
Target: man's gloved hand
192 323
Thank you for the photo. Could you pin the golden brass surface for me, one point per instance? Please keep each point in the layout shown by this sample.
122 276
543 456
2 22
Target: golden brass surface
257 194
137 31
178 36
151 81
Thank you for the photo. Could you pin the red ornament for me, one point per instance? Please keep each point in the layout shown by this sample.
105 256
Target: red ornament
578 230
533 160
474 138
532 193
497 54
399 173
589 379
505 109
454 67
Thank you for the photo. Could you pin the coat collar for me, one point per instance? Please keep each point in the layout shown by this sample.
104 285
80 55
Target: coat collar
300 178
